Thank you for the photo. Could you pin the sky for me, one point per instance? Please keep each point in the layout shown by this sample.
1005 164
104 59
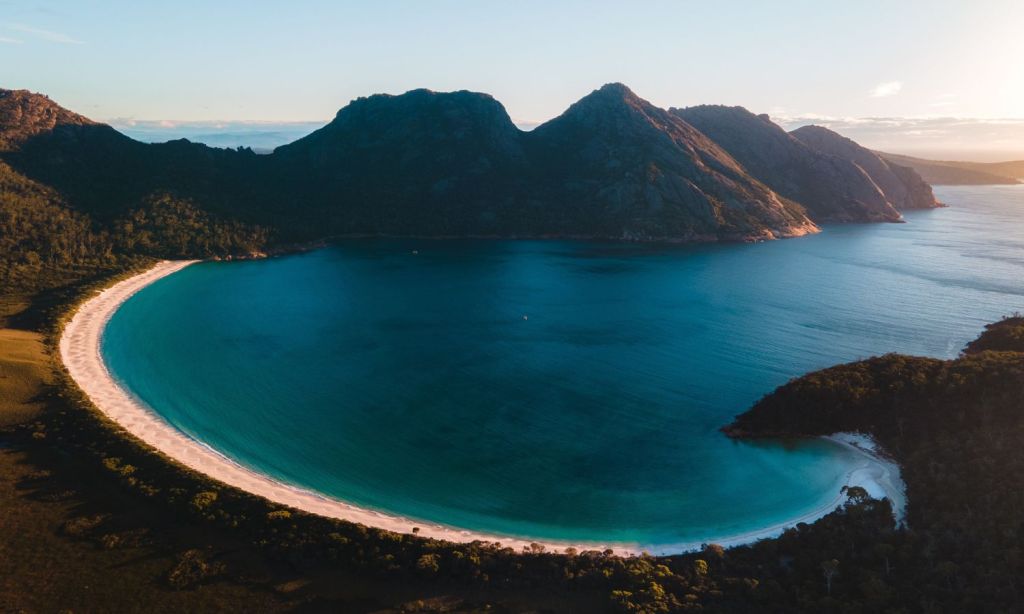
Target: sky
910 75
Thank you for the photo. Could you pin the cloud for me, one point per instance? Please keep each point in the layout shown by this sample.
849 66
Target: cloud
944 100
9 41
46 35
886 89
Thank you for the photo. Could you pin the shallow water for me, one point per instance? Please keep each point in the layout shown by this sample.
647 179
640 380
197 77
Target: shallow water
562 390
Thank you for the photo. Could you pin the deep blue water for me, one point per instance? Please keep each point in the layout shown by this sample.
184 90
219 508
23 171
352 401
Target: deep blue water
413 383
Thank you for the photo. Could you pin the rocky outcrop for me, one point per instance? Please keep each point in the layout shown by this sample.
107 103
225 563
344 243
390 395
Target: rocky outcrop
831 189
919 193
24 115
646 173
902 187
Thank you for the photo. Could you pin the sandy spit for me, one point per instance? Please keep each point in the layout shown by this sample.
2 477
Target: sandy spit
80 352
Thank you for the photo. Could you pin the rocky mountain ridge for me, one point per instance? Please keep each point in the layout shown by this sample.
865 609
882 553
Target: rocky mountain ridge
900 184
424 163
832 188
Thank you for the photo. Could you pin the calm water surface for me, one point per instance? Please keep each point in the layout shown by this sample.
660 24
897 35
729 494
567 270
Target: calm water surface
564 390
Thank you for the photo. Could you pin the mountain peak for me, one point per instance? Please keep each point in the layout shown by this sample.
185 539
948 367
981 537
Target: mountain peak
612 94
616 88
420 129
814 130
24 114
614 107
422 98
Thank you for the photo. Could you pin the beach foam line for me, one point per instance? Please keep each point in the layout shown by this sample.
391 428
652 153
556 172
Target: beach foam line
80 353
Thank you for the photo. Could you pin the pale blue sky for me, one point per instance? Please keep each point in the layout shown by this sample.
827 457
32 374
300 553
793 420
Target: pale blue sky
302 60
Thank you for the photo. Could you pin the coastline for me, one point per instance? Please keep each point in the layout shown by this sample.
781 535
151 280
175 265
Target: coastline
80 353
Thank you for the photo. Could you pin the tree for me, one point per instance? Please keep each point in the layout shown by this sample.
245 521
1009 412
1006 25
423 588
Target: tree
885 551
829 569
429 564
856 494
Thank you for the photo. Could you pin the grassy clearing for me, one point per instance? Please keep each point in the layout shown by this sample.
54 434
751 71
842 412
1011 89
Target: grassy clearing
25 371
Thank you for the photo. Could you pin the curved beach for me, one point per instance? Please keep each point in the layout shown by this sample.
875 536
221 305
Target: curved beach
80 352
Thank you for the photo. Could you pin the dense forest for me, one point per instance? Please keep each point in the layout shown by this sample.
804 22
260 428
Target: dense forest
44 242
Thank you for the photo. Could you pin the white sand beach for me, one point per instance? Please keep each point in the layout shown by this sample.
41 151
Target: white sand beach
80 352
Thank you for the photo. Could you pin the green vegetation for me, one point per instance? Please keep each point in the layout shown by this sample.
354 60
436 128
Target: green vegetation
1004 336
166 226
41 236
44 243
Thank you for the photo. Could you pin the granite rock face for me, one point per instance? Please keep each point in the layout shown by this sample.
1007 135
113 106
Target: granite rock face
902 186
650 174
831 188
24 115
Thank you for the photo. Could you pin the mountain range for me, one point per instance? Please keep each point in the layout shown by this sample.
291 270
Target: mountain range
424 163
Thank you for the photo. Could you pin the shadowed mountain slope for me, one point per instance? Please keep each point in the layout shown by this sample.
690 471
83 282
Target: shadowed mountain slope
902 187
615 155
832 189
424 163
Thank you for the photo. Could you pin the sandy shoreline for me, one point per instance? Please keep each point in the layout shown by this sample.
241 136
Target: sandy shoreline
80 353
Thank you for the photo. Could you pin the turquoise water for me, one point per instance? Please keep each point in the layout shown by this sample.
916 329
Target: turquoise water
553 389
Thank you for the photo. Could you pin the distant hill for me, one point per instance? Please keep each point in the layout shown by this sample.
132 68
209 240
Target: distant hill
938 172
901 185
832 188
424 163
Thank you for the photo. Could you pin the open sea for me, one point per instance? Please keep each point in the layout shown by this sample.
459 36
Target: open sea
557 389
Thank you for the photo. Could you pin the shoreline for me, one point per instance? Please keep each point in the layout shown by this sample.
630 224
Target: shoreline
79 347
